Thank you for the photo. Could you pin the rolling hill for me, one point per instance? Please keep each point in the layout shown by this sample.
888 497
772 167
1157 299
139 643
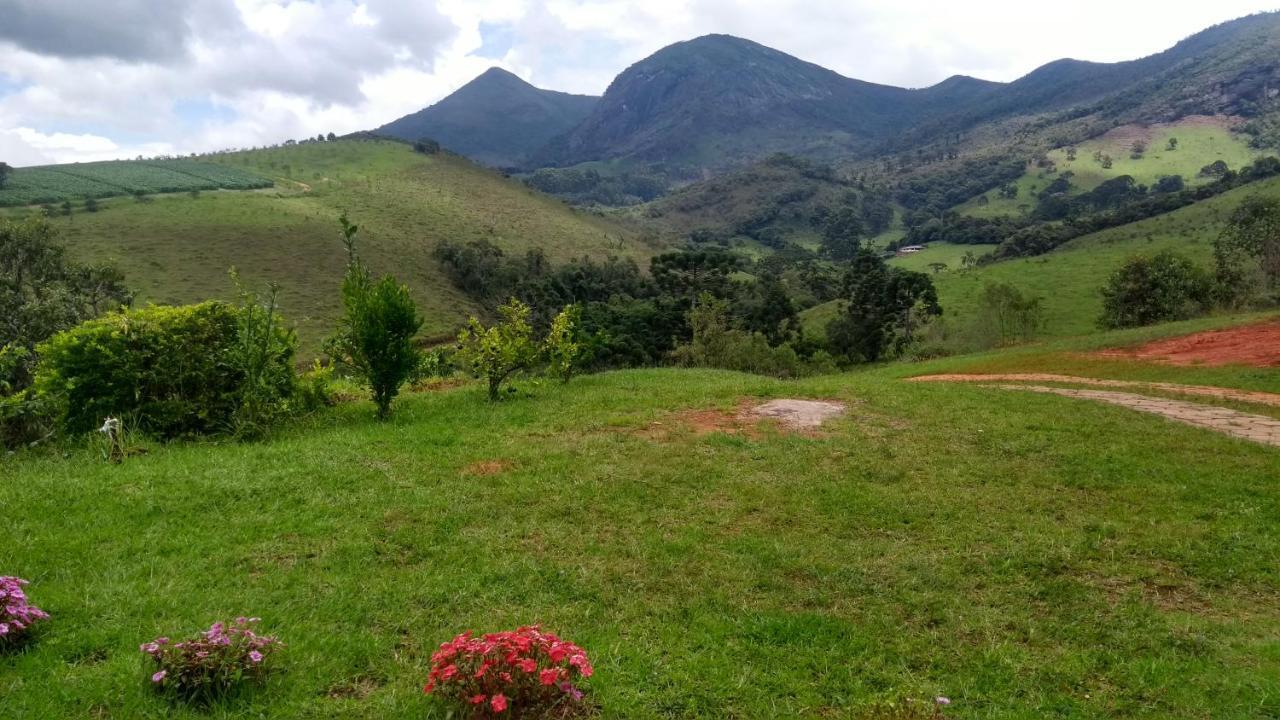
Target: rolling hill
178 248
496 119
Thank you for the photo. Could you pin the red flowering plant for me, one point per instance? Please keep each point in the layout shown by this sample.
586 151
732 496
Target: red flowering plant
17 616
216 661
523 673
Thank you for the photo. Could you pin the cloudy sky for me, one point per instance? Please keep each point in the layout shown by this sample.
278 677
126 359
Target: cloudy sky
97 79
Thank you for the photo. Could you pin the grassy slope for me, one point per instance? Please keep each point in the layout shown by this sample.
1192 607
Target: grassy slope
1200 143
1069 279
178 248
1116 571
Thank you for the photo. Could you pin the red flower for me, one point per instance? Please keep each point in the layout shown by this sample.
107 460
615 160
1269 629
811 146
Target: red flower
527 664
476 699
431 685
549 676
499 702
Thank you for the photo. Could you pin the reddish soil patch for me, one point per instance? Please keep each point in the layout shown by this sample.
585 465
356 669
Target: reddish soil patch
748 419
1252 345
487 468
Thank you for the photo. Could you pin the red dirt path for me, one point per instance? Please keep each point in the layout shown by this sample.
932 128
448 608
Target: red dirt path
1253 345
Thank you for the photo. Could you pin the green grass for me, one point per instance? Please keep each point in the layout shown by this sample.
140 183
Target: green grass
950 255
1200 143
1027 556
177 249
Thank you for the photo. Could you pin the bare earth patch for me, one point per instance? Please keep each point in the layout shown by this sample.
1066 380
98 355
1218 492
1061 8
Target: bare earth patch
802 414
487 468
1253 345
790 414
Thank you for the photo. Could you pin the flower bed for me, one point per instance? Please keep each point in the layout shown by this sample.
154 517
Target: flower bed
225 656
17 615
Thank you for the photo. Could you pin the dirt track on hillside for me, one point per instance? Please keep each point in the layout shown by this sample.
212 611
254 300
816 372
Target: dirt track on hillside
1252 345
1247 426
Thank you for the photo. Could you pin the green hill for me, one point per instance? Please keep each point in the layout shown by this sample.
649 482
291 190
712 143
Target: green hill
177 248
1069 278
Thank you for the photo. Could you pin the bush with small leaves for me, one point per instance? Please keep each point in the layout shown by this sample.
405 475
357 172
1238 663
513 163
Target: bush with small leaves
562 348
498 352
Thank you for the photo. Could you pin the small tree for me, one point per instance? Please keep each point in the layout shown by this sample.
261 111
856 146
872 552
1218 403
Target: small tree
375 337
1173 144
1252 232
1137 150
426 146
5 171
498 352
1107 162
562 348
843 233
1006 315
1146 290
1071 154
937 267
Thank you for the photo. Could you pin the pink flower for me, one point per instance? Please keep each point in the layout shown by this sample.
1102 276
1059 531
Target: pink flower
942 700
476 699
527 664
160 676
549 676
499 702
255 656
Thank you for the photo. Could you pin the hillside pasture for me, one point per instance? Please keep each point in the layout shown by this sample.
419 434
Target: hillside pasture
1202 140
178 248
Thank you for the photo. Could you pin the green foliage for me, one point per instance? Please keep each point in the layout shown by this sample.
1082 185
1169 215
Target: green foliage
563 348
42 292
1006 315
1253 233
883 310
1148 290
169 371
843 234
375 335
718 345
426 146
691 273
263 352
591 187
5 171
497 352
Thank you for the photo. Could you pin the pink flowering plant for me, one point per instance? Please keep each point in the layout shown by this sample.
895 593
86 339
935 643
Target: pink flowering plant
524 673
17 616
218 660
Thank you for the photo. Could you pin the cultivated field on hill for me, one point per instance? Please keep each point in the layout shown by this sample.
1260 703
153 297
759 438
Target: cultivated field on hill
178 248
81 181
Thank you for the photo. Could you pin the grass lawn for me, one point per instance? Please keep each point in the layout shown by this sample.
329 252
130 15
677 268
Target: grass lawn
950 255
1027 556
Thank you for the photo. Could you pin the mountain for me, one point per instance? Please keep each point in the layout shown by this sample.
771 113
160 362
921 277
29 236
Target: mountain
719 101
496 119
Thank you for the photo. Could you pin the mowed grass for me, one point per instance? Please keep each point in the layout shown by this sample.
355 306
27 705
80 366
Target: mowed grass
1026 556
1201 141
946 253
178 248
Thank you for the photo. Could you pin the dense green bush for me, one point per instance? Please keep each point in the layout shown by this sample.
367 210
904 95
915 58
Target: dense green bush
170 371
496 353
1147 290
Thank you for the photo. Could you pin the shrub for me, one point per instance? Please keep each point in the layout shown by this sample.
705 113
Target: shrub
716 344
212 663
1146 290
263 352
17 615
168 369
497 352
375 337
562 348
1006 315
526 672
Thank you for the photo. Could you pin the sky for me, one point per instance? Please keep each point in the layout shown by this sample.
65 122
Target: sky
101 79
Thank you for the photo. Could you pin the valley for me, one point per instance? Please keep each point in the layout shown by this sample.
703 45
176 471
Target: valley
741 389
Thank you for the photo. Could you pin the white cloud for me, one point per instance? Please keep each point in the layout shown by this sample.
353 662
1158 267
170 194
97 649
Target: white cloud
232 73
